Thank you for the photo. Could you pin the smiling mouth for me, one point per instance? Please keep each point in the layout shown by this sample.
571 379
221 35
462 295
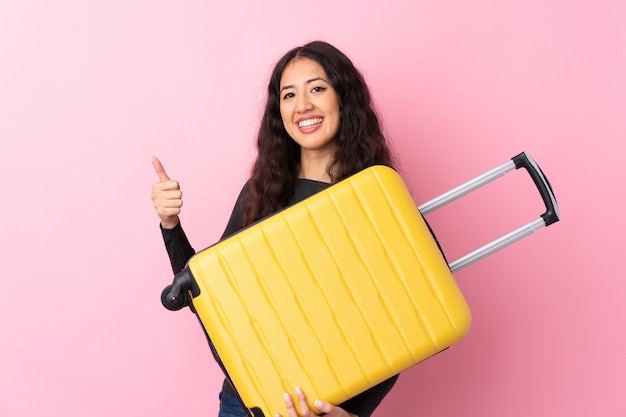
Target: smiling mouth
310 122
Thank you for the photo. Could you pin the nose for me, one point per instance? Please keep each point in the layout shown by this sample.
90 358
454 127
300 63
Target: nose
303 104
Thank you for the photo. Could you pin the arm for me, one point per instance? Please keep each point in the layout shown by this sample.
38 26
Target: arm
167 201
178 247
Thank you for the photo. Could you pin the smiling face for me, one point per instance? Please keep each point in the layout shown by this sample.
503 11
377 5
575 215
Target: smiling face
309 106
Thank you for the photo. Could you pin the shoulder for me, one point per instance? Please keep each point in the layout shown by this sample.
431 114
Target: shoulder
245 192
235 222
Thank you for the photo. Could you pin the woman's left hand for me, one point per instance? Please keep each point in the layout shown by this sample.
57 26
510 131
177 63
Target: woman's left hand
305 411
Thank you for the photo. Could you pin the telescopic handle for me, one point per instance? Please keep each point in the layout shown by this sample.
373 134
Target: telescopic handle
523 160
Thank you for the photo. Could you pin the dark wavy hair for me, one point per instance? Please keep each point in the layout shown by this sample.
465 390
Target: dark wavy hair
360 142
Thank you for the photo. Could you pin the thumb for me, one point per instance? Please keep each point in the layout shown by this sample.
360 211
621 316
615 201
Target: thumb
158 168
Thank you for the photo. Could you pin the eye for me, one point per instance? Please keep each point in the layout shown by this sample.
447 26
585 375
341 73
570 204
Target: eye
318 89
288 95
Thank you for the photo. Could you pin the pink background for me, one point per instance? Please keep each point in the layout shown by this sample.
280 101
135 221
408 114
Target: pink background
89 91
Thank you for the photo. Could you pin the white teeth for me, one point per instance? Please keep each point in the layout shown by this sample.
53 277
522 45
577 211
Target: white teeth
310 122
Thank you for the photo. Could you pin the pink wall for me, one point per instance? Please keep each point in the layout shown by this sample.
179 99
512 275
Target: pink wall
89 91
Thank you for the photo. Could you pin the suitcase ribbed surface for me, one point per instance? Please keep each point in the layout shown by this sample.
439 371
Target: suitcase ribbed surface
334 294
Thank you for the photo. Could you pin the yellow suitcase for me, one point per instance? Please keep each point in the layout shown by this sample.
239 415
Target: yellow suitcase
334 294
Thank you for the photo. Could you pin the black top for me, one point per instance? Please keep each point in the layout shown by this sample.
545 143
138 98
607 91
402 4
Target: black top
180 251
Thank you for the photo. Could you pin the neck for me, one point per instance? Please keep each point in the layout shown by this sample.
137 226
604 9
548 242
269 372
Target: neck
314 166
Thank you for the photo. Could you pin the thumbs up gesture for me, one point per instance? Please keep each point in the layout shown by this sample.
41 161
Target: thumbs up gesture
166 197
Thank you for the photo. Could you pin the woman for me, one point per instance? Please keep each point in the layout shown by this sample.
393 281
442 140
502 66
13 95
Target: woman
319 127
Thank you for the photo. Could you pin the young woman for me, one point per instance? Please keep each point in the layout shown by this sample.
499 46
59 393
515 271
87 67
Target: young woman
319 127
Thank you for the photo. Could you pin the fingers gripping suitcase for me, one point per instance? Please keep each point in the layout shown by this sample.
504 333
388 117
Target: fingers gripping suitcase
338 292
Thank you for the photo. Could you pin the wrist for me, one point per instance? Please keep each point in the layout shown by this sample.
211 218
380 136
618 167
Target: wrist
170 222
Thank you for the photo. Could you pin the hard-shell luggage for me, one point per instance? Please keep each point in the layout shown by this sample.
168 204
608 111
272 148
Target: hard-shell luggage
338 292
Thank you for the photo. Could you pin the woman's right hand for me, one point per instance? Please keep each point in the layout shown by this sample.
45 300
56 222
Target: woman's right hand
166 197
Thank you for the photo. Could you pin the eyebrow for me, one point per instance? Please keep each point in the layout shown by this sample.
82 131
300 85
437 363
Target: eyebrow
307 82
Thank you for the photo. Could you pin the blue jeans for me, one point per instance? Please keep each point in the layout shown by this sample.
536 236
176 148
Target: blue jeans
231 406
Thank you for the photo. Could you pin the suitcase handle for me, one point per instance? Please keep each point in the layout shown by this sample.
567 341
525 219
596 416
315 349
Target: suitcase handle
523 160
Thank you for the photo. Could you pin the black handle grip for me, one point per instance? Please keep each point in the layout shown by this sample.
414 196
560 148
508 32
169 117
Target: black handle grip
552 215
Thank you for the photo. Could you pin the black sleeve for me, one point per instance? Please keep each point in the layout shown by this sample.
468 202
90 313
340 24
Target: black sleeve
178 247
364 404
